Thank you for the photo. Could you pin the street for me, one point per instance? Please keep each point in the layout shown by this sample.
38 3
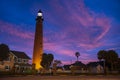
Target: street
62 77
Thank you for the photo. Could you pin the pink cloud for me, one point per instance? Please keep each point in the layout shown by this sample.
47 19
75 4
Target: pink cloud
114 48
13 30
89 46
79 27
79 23
17 38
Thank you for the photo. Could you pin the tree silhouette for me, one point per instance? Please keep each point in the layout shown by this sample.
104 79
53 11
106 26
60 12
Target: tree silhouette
58 62
50 59
77 54
102 55
111 57
46 60
4 52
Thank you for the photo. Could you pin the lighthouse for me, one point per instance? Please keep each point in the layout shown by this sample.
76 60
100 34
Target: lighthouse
38 41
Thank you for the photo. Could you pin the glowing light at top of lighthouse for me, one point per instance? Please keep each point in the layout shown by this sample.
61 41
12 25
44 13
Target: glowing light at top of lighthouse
40 13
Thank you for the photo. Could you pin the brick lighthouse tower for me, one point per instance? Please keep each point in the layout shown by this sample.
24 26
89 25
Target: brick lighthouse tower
38 41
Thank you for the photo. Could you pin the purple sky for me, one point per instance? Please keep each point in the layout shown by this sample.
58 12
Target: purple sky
70 26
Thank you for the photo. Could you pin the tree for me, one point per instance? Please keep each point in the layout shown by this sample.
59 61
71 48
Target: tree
4 52
102 55
46 60
112 57
109 56
77 54
58 62
50 59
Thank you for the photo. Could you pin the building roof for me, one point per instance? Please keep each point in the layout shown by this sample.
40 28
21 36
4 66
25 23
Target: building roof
19 54
94 64
79 63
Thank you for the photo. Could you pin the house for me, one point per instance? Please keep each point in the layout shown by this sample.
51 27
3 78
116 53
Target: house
17 62
79 67
67 67
95 67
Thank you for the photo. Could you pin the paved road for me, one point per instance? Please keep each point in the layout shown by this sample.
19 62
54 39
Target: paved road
100 77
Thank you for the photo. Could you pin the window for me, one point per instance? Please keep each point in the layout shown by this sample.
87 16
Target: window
8 59
7 67
19 60
15 59
24 60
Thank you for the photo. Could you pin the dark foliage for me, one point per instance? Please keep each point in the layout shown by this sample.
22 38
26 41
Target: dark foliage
47 60
110 57
4 52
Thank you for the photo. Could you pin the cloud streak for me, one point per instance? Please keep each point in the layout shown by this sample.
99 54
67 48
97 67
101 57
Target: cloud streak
18 39
14 30
79 27
69 26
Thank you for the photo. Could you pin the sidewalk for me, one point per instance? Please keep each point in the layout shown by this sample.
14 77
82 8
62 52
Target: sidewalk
63 77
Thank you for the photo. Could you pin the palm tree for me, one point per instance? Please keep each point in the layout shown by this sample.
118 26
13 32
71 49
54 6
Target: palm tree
4 52
77 54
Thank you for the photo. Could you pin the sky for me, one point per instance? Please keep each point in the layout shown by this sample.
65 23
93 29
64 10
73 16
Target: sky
84 26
